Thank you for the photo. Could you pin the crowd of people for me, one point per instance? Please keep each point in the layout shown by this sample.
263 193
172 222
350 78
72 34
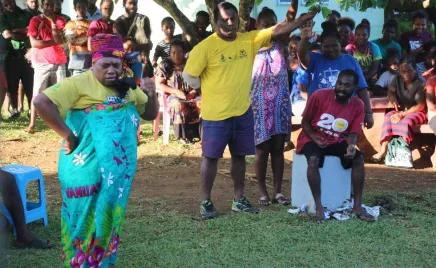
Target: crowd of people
230 89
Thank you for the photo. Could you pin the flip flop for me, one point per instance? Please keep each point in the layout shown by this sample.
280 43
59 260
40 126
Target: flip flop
281 200
35 243
264 201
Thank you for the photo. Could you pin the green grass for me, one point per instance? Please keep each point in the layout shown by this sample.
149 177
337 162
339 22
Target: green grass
269 239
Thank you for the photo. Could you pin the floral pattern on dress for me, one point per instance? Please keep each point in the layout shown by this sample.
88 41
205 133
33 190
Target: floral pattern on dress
269 94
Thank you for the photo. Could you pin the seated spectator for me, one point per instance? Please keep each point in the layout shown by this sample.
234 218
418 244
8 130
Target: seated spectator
406 95
12 201
331 123
413 41
346 28
430 95
163 47
103 25
48 57
431 69
202 22
366 53
292 60
58 10
300 79
76 33
428 49
390 29
392 61
182 100
323 69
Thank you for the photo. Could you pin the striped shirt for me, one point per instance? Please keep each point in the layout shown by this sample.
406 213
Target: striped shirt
162 50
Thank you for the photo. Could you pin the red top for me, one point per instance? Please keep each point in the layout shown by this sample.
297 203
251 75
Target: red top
333 121
99 26
40 28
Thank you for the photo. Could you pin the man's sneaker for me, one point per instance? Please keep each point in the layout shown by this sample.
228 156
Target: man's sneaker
243 205
207 210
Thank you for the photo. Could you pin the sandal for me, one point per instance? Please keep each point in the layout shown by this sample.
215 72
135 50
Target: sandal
363 216
281 200
264 201
35 243
30 130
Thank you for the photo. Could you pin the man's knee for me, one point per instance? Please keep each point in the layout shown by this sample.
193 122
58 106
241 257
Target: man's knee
313 162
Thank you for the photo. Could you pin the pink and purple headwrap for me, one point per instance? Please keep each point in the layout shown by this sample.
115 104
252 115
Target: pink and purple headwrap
107 45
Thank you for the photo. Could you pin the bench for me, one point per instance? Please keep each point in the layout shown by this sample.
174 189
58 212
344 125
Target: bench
369 142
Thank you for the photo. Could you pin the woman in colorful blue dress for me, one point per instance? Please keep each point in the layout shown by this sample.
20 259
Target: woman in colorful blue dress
98 162
270 101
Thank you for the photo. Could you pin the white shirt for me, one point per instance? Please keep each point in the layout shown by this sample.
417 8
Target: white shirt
97 15
385 79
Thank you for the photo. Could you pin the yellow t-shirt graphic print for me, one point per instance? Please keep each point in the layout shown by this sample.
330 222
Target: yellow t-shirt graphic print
225 70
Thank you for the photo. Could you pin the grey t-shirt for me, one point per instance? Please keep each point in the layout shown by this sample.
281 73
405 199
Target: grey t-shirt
408 98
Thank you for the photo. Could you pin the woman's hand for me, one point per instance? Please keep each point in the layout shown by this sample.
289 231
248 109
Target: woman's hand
307 31
179 94
70 144
396 118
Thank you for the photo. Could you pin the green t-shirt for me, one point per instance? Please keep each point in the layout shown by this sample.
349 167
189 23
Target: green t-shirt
15 20
383 47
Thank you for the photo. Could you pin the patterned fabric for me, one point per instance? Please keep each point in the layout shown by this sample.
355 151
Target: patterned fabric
95 181
106 45
270 95
371 54
80 56
403 128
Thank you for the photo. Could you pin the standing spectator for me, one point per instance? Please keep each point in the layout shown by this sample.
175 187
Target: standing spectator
413 41
93 12
48 57
390 29
202 21
334 16
366 53
3 84
103 25
271 105
76 33
13 26
224 63
345 29
430 95
58 10
137 27
33 7
163 47
324 68
406 94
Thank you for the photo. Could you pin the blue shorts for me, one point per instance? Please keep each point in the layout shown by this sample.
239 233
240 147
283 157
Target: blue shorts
237 132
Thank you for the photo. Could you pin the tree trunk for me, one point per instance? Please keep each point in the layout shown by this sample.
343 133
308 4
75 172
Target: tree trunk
211 4
187 26
244 13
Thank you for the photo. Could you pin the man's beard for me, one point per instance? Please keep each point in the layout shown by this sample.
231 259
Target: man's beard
130 13
345 98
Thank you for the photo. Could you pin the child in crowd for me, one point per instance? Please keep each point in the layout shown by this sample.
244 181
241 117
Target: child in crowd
431 72
163 47
366 53
390 29
346 27
413 41
392 61
76 33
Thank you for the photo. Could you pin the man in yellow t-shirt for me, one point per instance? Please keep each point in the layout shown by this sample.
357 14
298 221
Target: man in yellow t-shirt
223 64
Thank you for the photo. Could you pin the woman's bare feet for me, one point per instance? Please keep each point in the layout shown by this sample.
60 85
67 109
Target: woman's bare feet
377 158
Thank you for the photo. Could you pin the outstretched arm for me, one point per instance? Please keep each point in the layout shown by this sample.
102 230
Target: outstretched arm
291 14
286 28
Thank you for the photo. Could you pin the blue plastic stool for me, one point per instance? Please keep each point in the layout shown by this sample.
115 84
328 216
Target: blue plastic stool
32 211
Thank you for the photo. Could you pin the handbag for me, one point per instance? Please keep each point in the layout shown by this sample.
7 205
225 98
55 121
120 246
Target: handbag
399 154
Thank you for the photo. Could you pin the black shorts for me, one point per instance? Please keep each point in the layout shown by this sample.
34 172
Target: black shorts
338 149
